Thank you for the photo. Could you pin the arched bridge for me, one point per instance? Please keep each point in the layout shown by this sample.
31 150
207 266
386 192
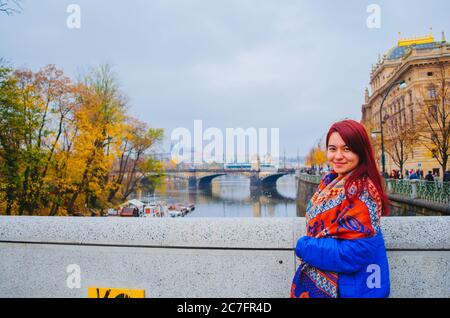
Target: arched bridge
203 177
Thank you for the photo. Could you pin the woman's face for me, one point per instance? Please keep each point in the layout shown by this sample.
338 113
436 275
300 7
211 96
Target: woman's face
340 157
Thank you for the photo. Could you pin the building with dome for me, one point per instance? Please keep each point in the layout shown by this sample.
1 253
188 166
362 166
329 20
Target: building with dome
408 73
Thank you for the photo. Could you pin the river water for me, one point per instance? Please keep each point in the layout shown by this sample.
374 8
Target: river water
231 196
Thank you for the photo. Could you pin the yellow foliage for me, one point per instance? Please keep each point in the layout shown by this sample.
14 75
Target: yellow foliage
74 152
319 156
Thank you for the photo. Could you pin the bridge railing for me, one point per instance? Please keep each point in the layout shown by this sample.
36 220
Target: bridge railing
280 170
309 178
432 191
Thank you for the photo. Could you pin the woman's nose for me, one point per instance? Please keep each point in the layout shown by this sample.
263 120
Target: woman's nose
338 155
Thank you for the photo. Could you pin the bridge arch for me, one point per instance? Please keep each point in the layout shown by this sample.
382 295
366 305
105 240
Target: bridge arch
206 180
271 181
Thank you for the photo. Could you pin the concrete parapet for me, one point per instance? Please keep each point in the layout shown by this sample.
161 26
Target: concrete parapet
198 257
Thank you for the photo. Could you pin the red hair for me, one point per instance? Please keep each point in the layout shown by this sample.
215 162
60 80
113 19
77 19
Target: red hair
355 136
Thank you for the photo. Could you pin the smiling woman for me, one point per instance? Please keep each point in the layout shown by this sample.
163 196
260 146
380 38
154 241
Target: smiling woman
343 253
341 158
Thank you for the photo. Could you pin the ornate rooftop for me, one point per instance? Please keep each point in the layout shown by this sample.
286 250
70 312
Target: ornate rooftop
405 45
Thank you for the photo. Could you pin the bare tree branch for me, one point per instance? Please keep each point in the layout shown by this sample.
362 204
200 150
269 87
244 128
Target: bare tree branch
10 6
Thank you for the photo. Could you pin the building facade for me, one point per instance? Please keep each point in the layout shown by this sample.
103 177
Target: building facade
419 63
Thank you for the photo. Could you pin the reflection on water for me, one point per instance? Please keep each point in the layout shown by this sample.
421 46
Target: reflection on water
399 209
231 196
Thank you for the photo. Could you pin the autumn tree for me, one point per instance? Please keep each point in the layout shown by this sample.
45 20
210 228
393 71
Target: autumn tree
61 141
31 105
22 109
53 91
319 155
99 115
316 156
132 164
433 121
11 132
399 142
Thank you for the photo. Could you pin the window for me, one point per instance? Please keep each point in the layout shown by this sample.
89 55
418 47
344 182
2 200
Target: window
431 92
429 73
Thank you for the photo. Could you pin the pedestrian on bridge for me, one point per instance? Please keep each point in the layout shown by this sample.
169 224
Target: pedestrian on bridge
429 176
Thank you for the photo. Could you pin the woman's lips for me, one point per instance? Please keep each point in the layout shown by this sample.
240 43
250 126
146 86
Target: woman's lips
339 164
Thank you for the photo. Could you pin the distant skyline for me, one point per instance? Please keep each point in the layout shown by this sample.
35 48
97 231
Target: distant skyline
294 65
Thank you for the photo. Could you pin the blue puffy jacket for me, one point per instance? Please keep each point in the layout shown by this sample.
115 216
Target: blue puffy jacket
361 264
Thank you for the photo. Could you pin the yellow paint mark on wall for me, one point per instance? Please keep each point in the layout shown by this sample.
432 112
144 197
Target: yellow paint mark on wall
102 292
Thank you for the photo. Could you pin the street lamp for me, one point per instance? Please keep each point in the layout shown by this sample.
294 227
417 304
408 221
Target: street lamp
402 84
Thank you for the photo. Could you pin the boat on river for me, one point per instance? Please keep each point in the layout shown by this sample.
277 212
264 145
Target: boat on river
159 209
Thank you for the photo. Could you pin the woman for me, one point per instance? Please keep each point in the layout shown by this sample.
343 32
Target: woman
343 253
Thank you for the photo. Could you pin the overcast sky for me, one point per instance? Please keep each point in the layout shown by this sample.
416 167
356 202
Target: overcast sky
293 65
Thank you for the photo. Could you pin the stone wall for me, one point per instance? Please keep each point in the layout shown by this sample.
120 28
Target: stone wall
197 257
305 190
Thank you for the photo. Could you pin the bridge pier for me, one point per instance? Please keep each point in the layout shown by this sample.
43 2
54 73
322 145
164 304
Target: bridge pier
255 181
192 181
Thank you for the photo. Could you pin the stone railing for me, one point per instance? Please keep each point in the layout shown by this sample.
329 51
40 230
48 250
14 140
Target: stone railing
207 257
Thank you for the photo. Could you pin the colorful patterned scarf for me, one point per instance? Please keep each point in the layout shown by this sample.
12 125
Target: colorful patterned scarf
331 214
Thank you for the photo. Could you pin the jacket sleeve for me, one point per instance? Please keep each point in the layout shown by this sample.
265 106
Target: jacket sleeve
338 255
